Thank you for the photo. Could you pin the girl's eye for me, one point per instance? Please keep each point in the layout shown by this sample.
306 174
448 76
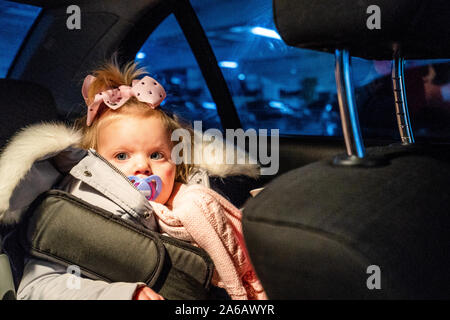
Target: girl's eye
156 156
121 156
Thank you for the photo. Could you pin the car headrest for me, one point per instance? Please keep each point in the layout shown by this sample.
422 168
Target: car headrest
21 104
418 29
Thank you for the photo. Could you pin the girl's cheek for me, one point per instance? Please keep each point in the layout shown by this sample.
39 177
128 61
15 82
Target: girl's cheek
167 173
125 168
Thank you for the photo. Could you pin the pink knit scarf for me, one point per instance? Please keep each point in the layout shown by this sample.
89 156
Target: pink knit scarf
207 220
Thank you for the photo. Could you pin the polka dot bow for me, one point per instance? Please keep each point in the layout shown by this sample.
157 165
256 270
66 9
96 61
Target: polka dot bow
146 90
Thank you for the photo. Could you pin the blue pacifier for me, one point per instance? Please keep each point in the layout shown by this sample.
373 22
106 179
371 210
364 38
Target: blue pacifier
150 186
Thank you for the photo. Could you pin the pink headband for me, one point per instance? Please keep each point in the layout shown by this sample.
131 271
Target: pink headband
146 90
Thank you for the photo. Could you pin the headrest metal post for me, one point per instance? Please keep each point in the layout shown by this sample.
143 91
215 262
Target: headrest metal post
401 105
347 106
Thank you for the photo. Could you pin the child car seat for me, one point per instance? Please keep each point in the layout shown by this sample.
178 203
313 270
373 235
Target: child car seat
23 103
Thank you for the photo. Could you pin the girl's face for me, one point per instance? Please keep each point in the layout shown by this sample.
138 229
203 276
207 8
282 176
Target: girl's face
139 147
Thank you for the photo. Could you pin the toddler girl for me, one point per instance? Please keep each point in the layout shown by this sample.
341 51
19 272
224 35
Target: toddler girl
126 127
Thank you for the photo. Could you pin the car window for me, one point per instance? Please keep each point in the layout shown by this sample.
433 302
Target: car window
167 57
427 85
275 86
15 21
294 90
428 92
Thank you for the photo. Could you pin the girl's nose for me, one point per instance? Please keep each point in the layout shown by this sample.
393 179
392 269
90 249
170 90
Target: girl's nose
142 167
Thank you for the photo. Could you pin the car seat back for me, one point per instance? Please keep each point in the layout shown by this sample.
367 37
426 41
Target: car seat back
318 231
369 224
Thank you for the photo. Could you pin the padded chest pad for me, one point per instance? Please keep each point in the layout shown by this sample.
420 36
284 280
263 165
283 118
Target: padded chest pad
66 230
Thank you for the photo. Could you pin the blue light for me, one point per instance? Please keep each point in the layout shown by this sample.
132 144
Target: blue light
190 105
276 104
280 106
264 32
238 29
331 127
228 64
241 76
175 80
209 105
140 55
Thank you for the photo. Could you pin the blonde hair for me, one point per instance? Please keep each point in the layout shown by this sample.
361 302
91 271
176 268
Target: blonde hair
111 75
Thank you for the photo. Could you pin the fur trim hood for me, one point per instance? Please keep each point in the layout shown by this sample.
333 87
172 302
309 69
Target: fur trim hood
43 141
27 146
